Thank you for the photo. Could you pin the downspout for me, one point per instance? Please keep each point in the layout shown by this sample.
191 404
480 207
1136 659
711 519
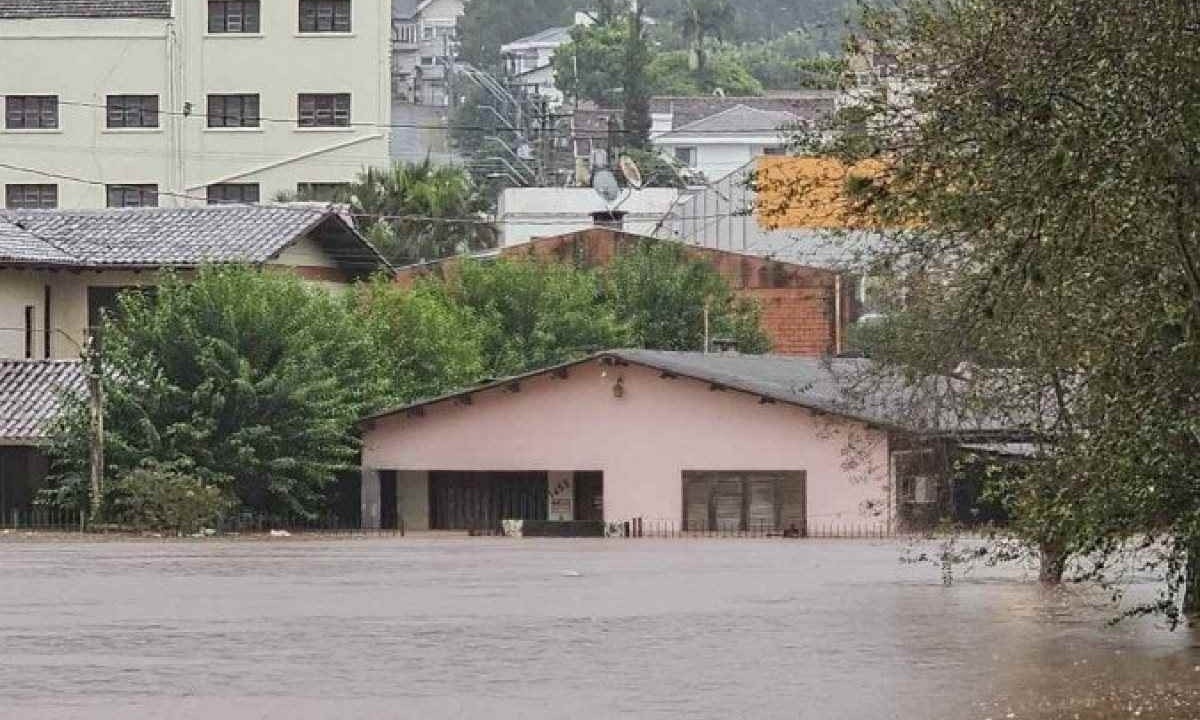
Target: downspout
837 314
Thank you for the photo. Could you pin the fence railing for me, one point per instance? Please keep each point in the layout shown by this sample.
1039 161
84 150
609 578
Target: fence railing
664 528
50 519
43 519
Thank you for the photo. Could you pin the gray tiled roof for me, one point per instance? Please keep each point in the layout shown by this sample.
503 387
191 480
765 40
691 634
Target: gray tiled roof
687 110
31 394
19 245
845 387
14 9
741 119
178 237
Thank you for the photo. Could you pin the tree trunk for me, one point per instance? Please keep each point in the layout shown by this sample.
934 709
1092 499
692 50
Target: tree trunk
1053 562
1191 580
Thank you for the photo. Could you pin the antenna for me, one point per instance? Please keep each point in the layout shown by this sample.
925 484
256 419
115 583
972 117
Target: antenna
605 184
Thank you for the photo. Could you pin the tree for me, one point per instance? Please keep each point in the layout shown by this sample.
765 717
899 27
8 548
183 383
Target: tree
670 75
637 89
534 313
420 211
591 66
697 21
488 24
425 342
1048 183
663 294
245 381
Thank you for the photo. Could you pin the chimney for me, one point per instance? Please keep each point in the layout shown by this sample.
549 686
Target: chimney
611 219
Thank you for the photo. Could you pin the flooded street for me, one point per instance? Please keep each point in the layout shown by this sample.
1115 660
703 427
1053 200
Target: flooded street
457 627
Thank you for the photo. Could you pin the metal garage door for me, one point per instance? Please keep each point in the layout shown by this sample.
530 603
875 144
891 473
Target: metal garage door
480 500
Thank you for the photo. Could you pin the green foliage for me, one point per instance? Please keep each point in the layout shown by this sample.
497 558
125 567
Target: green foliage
670 74
591 66
657 169
403 210
661 292
533 314
426 343
1046 178
249 382
790 63
152 497
637 89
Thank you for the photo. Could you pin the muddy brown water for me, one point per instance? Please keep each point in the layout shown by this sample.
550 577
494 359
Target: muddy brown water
497 628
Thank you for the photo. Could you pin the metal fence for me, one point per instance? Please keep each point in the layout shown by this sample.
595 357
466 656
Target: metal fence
50 519
43 519
663 528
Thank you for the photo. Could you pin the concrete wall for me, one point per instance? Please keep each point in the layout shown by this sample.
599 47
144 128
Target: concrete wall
83 61
642 441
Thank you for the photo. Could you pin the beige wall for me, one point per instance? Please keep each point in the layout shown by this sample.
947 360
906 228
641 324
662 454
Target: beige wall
85 60
643 442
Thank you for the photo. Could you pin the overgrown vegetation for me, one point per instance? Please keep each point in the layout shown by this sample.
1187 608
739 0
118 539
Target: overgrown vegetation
1047 180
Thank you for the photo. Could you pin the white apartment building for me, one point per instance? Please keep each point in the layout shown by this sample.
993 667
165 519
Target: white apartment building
171 103
423 34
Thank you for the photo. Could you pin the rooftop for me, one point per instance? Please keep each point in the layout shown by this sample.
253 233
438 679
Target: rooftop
845 387
740 119
21 9
550 37
175 237
31 394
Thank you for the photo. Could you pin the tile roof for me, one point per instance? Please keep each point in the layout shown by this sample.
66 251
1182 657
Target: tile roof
171 237
809 106
741 119
554 36
843 387
19 245
31 394
19 9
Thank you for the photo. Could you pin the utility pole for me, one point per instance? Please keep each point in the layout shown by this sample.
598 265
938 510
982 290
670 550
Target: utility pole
95 388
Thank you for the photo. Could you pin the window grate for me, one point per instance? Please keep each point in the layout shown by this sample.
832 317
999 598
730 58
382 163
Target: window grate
132 111
325 16
233 111
31 112
324 110
234 16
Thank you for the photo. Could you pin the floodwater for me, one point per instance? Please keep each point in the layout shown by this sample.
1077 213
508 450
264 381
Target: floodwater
497 628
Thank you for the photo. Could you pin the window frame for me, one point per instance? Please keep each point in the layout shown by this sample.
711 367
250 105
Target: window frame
318 17
118 108
315 112
242 189
38 204
242 100
142 189
46 106
223 26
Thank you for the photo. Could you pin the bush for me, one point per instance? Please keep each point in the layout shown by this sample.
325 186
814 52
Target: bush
152 497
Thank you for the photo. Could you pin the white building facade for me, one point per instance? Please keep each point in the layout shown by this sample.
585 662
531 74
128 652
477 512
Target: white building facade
423 46
154 102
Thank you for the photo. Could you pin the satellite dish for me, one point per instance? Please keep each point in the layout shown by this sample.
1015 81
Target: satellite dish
605 183
632 173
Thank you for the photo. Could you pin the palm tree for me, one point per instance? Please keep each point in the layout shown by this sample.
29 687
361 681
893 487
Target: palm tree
700 19
420 211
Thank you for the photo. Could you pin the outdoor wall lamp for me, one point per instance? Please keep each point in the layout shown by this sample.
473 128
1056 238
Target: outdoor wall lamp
619 388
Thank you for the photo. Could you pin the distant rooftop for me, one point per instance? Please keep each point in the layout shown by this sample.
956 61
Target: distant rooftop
550 37
21 9
740 119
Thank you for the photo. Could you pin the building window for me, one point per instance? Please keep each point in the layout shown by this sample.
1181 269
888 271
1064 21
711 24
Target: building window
331 110
232 193
31 197
233 111
686 155
321 192
132 196
233 16
774 151
132 111
31 112
324 16
29 309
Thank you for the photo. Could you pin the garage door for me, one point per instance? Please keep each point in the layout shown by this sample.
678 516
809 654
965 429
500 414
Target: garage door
732 501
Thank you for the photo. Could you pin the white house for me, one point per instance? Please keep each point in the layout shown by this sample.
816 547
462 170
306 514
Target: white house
720 144
526 213
528 61
154 102
423 33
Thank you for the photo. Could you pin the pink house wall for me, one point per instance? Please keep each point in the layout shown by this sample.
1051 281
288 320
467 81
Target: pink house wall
643 441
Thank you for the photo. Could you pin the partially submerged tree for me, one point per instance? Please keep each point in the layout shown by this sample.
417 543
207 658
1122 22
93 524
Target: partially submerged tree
1044 163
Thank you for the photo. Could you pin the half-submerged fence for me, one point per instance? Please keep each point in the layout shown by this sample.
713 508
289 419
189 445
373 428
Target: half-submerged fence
661 528
52 519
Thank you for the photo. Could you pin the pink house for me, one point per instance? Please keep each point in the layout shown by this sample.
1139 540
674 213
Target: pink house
688 440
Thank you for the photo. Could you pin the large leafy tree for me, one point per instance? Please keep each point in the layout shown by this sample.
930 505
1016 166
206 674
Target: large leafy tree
1045 163
250 382
533 314
698 20
667 296
486 25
